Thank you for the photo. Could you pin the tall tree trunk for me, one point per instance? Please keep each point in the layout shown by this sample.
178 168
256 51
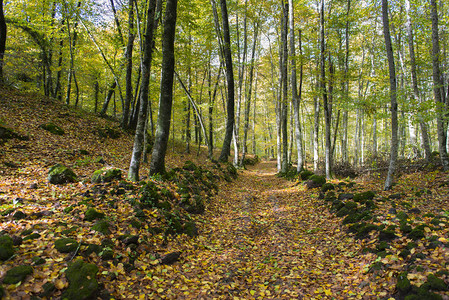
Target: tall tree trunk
226 149
344 144
327 112
316 128
129 65
437 88
393 95
57 91
284 87
2 41
248 97
133 173
157 165
295 97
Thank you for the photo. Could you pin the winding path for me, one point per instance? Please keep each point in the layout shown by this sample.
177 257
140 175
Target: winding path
268 238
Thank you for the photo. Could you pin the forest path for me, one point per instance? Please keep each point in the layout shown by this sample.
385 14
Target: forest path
266 237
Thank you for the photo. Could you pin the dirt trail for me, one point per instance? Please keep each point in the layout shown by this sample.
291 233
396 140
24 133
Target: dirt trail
267 238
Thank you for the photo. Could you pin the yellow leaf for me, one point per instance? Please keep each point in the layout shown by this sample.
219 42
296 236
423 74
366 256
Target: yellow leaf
160 290
59 284
427 229
252 292
327 292
142 296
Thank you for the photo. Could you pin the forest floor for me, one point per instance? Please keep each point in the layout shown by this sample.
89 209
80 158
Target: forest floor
260 236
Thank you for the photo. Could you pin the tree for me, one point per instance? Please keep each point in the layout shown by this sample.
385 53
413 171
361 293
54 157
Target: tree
226 148
157 165
438 89
2 40
133 172
393 97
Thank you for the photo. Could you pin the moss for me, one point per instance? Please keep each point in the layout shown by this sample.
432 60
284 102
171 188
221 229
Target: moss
330 196
92 248
401 215
82 281
318 180
52 128
37 260
386 235
106 175
107 254
17 274
101 226
6 247
403 284
404 253
135 223
305 174
32 236
411 245
48 289
189 166
66 245
416 233
405 228
190 229
59 174
149 195
327 187
436 283
363 197
383 245
92 214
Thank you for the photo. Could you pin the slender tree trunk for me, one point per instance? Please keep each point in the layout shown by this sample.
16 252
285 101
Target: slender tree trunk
57 91
129 65
441 106
344 144
226 149
157 165
96 93
393 100
295 97
327 112
248 98
2 41
133 173
316 128
284 87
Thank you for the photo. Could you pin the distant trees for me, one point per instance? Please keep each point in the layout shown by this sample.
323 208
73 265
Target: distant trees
304 81
2 39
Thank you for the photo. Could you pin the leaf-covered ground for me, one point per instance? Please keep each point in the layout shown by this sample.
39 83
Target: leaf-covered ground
260 237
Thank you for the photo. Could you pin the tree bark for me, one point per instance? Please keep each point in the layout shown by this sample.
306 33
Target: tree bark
438 88
129 65
226 149
248 98
133 173
393 94
3 32
157 165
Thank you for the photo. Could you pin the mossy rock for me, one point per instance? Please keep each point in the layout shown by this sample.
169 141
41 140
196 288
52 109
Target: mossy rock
101 226
135 223
401 215
7 133
305 174
59 174
52 128
6 247
383 245
195 205
190 229
231 170
330 196
108 133
417 233
66 245
327 187
189 166
315 181
82 279
92 248
436 283
421 293
106 254
92 214
37 260
403 284
363 197
19 215
387 235
32 236
149 195
17 274
405 228
106 175
48 289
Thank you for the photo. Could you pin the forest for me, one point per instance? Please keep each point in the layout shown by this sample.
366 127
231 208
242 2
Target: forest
238 149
